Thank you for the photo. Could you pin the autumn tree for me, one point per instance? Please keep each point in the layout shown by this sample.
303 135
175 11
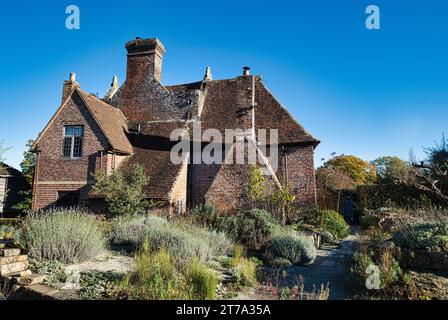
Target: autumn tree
360 171
392 169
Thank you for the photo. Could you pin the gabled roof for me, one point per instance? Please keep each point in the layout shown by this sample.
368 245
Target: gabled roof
224 98
9 171
110 120
222 103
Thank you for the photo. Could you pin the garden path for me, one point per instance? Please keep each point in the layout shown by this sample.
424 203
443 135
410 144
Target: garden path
331 267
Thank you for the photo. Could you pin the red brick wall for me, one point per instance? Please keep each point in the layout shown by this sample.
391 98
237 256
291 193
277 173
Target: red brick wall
54 173
299 161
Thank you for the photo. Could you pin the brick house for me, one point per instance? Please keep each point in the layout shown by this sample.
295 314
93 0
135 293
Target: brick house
133 123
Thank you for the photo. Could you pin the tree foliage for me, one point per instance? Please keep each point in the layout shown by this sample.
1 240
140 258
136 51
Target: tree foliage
392 168
28 166
124 194
360 171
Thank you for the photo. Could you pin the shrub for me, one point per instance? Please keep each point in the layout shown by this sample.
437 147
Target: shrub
54 270
334 223
206 216
369 220
294 248
67 236
183 241
253 228
431 236
246 272
124 193
130 229
389 268
157 277
203 282
178 243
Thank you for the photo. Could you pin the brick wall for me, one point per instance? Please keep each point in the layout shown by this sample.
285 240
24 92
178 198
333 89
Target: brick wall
54 173
296 169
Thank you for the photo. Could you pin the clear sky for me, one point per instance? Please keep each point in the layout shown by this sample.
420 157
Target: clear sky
367 93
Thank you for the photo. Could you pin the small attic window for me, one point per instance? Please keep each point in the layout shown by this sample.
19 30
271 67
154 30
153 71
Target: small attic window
72 146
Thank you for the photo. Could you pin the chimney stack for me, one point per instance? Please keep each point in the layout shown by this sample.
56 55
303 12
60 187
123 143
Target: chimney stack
246 71
145 57
69 85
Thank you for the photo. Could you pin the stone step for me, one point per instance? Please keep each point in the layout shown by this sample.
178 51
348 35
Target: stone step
9 252
43 291
30 280
20 274
13 268
13 259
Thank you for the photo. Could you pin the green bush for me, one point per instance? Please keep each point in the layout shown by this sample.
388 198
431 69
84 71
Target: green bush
67 236
246 272
294 248
157 277
253 228
431 236
369 220
123 191
203 282
131 229
334 223
389 268
54 270
206 216
184 241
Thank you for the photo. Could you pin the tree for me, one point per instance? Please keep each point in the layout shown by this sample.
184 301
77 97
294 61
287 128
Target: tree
256 186
28 166
360 171
123 194
2 153
335 181
392 169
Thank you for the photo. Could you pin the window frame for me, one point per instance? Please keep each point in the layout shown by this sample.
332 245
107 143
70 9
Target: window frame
72 141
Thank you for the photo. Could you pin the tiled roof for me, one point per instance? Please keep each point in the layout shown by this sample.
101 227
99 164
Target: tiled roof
225 97
154 155
9 171
111 121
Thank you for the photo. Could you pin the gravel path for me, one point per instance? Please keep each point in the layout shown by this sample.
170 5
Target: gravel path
331 267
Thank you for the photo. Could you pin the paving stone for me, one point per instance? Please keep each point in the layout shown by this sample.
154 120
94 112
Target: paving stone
328 263
9 252
20 274
13 259
43 290
13 268
30 280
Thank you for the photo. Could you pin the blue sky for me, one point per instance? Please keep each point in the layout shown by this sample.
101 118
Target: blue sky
367 93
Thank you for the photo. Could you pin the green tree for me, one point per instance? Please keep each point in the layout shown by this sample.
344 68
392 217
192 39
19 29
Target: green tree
28 166
256 186
360 171
392 168
123 194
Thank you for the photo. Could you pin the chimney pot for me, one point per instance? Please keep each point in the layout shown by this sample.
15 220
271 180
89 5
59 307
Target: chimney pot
246 71
69 85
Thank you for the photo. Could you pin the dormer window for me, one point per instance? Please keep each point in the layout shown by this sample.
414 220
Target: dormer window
72 147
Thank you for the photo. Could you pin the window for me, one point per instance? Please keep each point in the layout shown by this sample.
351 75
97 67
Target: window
72 147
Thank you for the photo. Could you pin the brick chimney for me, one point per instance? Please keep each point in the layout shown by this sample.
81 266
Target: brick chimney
145 57
69 85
